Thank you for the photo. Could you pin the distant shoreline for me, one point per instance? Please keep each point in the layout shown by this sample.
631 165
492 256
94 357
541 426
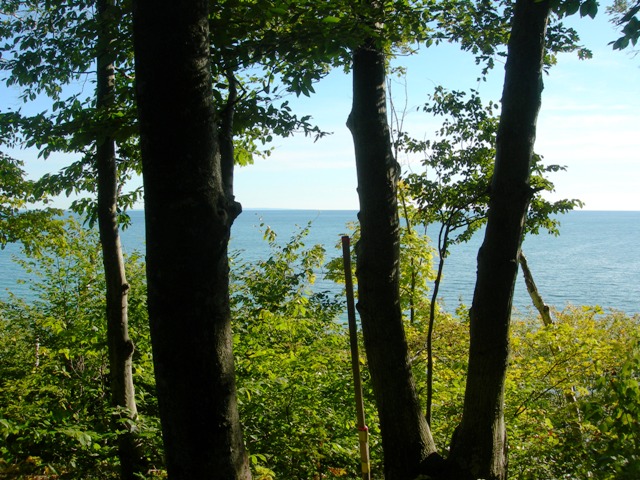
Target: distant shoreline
276 209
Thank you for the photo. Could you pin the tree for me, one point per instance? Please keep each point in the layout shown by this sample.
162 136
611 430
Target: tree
406 438
479 444
76 124
479 28
486 455
117 288
407 442
188 217
90 127
452 192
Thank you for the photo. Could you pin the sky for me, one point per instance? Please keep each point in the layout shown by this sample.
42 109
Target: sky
589 122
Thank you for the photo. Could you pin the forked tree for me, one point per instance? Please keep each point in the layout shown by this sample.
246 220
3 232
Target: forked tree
478 448
406 438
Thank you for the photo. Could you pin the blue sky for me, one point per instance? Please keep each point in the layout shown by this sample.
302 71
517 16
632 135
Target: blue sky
589 121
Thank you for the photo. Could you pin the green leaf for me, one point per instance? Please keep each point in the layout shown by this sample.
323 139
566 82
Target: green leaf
589 8
572 6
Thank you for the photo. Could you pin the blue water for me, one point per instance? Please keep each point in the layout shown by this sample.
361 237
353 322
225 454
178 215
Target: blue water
594 261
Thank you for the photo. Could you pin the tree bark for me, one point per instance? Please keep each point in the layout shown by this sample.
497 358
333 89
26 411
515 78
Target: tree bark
226 146
479 445
547 321
119 344
536 298
406 438
188 219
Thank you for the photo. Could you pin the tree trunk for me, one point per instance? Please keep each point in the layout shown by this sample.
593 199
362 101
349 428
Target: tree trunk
119 343
545 314
406 438
536 298
479 445
443 245
188 219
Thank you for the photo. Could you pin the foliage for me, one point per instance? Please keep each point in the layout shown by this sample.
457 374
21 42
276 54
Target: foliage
48 50
55 413
613 415
625 15
49 53
450 350
565 416
453 191
291 351
565 8
294 382
483 28
293 367
19 221
571 394
271 48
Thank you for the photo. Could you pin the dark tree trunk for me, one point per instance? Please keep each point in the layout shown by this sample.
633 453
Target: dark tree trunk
120 345
188 219
479 445
406 438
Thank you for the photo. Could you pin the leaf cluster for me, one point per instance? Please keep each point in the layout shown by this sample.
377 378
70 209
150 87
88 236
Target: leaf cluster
625 15
19 220
49 51
453 191
55 410
565 8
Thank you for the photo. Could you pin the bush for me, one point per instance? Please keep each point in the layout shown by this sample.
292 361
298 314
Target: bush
558 381
55 413
572 392
293 366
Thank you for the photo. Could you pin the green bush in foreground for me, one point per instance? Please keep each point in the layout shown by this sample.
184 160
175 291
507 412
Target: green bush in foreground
55 413
558 375
293 366
572 395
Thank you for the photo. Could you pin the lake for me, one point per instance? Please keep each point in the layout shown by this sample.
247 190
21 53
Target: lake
594 261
